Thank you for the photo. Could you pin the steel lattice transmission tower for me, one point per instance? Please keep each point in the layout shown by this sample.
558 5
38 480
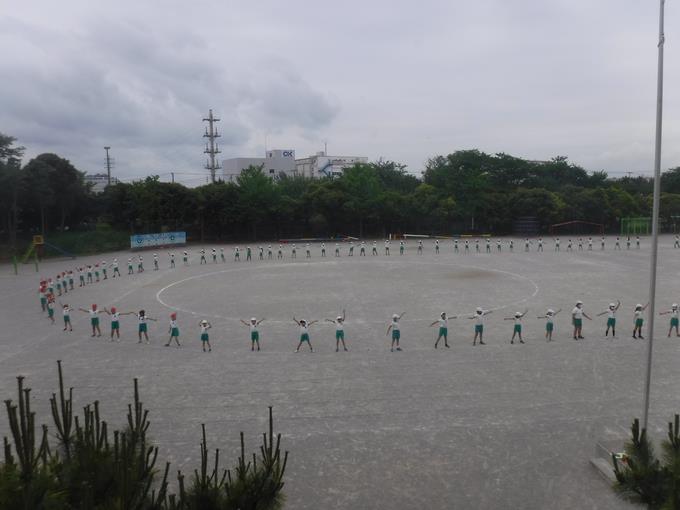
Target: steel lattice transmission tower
211 147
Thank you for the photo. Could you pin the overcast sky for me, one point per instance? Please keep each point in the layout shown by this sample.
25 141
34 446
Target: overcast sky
399 80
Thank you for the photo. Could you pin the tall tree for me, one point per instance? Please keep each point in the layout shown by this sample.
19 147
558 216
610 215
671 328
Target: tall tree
11 185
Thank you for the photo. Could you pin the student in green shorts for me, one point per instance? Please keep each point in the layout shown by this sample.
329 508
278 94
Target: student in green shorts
104 274
205 339
478 317
185 258
254 332
142 328
66 311
42 293
401 247
304 333
222 257
58 282
173 330
351 249
116 272
94 319
323 249
577 315
611 318
337 250
96 272
639 320
237 254
517 329
339 331
115 321
293 252
443 322
130 269
549 323
396 331
50 309
362 249
249 254
308 253
674 319
70 279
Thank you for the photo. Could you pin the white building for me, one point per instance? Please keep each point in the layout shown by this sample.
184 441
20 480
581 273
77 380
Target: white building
99 182
275 162
321 165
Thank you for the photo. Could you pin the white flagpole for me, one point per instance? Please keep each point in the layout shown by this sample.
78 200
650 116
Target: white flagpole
655 215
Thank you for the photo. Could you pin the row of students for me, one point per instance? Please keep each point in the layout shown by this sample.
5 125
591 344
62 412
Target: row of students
394 327
93 273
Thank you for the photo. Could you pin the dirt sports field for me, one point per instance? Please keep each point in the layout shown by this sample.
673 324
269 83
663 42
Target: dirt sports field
488 427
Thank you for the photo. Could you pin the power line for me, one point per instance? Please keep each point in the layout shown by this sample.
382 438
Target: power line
211 147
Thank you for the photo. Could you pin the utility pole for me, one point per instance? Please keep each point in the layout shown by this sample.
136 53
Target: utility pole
211 147
108 166
173 177
655 213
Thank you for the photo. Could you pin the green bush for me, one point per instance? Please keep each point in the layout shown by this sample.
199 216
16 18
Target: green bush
642 477
89 468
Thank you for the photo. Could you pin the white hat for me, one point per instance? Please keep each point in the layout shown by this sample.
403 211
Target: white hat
518 314
339 317
638 306
253 319
395 316
612 305
674 305
550 311
204 321
479 309
579 302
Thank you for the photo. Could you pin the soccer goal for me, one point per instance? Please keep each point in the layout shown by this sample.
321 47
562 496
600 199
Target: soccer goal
636 226
577 227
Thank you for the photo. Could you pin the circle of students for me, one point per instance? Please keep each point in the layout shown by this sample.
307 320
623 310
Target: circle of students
64 282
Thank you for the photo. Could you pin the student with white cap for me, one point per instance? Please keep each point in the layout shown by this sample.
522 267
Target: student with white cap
577 315
396 332
443 322
611 318
479 324
639 320
674 319
339 331
254 332
549 322
304 333
517 330
205 338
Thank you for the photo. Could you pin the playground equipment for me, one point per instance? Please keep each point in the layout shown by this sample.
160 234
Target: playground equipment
37 250
577 227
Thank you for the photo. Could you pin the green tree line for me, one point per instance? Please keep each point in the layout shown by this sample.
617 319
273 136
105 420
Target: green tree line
467 191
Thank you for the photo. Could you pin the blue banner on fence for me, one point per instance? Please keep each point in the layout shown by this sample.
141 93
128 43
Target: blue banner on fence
162 239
